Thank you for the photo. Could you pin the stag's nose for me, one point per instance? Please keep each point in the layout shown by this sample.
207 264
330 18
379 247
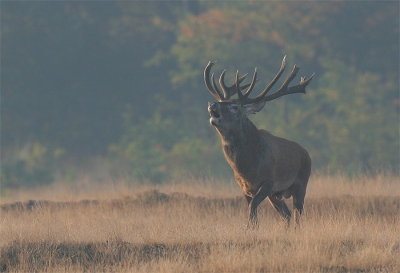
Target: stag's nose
212 106
215 116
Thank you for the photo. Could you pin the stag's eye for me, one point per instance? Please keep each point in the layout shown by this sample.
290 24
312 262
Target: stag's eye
235 108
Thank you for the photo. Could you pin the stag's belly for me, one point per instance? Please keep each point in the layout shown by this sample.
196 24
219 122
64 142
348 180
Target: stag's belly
283 183
250 187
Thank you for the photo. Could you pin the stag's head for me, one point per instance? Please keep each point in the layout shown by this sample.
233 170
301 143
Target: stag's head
227 114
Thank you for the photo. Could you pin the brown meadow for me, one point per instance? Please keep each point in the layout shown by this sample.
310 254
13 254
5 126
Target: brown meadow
349 225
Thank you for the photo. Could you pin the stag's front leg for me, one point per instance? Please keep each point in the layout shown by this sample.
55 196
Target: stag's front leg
261 194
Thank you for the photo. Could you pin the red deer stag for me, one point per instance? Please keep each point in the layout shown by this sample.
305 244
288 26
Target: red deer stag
264 165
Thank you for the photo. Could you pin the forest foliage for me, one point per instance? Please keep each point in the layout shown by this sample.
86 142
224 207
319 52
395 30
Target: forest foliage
123 80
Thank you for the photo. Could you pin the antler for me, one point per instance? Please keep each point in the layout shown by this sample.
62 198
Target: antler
227 91
282 91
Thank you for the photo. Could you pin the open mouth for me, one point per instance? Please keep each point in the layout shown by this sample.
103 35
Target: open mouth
214 114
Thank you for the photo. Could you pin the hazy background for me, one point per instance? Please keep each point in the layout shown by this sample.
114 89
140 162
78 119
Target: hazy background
117 87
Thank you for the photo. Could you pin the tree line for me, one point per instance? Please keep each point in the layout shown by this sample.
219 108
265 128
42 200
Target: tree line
123 80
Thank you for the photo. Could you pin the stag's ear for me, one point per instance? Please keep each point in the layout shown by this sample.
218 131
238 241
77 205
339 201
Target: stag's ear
253 108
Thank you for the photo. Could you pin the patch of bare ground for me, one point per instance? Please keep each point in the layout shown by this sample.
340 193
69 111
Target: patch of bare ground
164 230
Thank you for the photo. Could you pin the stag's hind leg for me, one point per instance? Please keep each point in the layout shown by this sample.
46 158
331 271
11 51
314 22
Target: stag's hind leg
298 189
298 193
281 207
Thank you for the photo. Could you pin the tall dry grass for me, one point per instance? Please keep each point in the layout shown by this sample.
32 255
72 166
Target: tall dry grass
349 225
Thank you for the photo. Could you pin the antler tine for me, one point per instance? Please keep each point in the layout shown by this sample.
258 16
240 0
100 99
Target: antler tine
225 89
231 90
269 86
253 82
285 90
215 92
240 81
214 85
241 98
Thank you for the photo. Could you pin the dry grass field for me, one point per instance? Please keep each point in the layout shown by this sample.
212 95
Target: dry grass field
349 225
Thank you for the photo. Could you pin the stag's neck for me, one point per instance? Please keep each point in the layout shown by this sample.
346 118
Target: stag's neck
241 148
240 138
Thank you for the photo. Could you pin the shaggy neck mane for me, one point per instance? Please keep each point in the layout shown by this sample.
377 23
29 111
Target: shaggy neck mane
243 147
